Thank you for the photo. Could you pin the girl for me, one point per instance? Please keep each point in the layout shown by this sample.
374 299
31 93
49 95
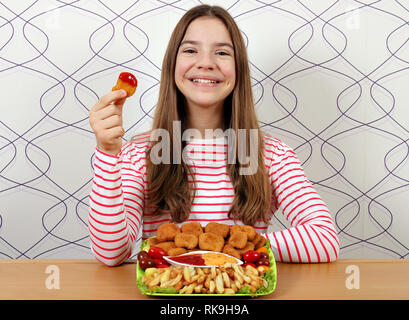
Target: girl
205 84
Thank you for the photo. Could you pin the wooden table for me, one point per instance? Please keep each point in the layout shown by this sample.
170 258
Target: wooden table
90 280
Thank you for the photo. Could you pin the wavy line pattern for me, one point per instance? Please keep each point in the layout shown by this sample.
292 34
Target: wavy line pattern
329 77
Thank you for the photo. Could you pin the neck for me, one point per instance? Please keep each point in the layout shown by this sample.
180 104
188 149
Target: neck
202 119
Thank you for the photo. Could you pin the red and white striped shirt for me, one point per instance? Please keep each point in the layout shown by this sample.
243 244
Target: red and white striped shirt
117 201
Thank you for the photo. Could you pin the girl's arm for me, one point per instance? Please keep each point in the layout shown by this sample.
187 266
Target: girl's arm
312 236
116 205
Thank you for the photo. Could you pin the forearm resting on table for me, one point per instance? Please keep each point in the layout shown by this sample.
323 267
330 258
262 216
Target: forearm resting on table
312 242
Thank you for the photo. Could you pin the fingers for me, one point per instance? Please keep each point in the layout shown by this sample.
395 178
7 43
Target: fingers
111 122
111 139
105 118
116 97
109 111
112 135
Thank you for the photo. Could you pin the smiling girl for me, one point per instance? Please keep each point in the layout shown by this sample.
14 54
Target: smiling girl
205 85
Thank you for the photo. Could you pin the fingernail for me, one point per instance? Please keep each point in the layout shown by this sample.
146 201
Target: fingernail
123 93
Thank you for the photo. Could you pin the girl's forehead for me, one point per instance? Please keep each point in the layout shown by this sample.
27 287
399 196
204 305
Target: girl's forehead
207 27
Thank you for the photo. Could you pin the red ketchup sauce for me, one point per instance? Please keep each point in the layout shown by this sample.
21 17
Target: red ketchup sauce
193 259
129 78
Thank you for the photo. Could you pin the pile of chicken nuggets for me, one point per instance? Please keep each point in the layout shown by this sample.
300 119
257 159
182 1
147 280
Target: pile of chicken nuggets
218 237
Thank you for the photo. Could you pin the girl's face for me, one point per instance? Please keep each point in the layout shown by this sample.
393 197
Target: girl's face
205 65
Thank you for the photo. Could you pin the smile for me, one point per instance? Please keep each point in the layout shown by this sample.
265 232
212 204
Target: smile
205 81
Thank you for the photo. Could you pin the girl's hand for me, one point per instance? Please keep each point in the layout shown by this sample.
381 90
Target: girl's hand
105 118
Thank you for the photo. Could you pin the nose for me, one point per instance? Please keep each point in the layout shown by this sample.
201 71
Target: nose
206 61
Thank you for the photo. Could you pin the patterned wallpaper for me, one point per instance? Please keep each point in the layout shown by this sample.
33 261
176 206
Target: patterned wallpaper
330 79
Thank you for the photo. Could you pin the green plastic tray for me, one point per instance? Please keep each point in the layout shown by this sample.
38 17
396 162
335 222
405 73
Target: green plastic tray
270 276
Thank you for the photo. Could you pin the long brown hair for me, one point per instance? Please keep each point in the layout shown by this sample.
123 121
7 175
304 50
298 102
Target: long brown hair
168 186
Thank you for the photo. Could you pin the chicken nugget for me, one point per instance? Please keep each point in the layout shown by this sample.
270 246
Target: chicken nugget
238 239
211 241
153 241
249 246
186 240
251 232
166 245
228 249
259 241
192 227
218 228
176 251
167 232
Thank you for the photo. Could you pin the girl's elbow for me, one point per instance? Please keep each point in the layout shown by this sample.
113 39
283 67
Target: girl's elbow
111 262
335 256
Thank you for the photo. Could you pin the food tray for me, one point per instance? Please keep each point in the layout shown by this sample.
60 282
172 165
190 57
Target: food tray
270 276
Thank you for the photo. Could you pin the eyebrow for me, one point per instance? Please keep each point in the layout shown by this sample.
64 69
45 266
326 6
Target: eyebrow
217 44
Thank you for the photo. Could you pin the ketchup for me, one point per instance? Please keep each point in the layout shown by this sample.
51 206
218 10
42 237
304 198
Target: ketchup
129 78
193 259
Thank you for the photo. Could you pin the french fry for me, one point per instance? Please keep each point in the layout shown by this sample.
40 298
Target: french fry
229 291
198 288
178 286
238 284
155 281
219 284
251 270
200 272
238 278
195 278
183 290
190 288
265 283
241 274
200 279
213 272
212 286
246 278
186 274
174 281
165 276
207 282
226 279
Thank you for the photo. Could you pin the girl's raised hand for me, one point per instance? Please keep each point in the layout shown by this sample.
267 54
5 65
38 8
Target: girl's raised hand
105 118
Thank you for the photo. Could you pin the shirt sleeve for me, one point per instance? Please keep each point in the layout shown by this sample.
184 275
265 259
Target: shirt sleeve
312 236
116 204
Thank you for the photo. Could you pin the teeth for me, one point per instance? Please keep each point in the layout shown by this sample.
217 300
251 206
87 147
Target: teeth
204 81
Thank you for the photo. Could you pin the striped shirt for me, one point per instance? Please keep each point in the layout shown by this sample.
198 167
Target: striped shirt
117 209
